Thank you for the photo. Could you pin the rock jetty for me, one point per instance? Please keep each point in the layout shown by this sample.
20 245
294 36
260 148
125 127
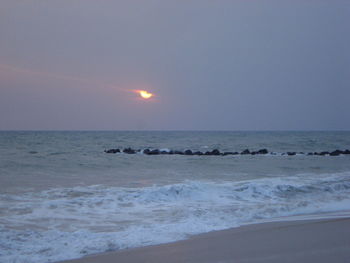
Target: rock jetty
216 152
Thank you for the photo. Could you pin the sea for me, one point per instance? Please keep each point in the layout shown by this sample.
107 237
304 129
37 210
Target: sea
63 197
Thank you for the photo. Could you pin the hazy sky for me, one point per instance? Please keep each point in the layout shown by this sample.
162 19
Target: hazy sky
212 64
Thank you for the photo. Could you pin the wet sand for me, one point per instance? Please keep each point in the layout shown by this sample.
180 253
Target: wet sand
322 240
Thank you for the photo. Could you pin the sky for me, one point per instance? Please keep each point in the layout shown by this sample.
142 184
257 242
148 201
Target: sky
211 64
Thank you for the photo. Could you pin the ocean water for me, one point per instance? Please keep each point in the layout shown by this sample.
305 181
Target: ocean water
62 197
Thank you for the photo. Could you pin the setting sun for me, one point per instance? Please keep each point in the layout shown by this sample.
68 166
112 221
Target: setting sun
144 94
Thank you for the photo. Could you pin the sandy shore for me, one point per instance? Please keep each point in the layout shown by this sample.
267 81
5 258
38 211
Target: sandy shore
324 240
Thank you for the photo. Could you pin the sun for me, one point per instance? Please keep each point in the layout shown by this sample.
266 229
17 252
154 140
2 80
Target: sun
145 94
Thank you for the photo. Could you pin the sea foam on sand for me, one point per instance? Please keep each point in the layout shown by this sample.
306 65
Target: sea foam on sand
310 241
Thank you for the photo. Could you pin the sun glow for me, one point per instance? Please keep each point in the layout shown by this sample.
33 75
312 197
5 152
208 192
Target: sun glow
145 94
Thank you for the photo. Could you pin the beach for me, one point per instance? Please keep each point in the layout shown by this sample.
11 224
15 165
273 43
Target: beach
319 240
62 197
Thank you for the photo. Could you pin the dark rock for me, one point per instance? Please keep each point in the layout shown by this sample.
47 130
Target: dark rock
338 152
112 151
263 151
246 151
188 152
335 153
323 153
215 152
154 152
129 151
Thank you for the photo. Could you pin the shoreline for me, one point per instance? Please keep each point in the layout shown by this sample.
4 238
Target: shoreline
300 239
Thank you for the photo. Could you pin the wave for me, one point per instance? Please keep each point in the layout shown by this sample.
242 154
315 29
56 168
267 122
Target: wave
66 223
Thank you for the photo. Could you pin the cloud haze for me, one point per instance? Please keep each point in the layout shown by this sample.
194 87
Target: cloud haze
212 65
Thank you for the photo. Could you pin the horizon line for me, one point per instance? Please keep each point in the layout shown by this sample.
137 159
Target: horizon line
171 130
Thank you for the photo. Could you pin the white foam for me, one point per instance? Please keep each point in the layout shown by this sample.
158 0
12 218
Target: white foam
164 150
68 223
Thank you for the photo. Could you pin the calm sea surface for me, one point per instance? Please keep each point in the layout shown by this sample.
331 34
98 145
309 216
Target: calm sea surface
62 197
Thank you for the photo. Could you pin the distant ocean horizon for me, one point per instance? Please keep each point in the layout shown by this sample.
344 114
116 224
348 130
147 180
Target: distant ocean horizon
63 197
171 130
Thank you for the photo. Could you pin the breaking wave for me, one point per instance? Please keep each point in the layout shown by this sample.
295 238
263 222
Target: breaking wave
66 223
